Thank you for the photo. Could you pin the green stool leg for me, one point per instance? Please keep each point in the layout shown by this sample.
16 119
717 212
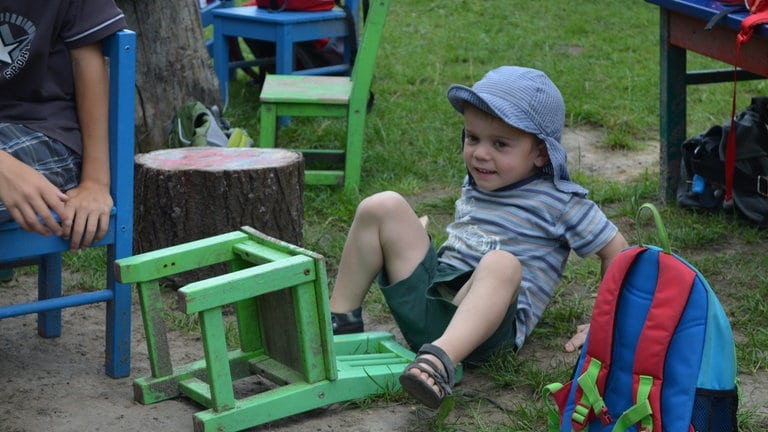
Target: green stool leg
151 304
217 361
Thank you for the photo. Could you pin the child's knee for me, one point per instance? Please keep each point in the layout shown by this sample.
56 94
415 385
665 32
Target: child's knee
382 203
502 259
504 264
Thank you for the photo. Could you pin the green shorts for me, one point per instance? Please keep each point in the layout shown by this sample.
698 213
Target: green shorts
421 306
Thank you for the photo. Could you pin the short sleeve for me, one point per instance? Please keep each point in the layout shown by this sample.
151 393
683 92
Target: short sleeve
585 227
89 21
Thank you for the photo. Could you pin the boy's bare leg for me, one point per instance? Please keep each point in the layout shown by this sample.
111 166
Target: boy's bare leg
482 304
385 234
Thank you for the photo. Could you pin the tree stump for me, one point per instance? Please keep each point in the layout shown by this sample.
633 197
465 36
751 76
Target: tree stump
191 193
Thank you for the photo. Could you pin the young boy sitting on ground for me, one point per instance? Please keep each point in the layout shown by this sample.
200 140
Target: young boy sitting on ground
517 220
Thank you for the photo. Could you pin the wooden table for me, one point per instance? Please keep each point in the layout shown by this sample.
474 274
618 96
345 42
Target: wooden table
682 29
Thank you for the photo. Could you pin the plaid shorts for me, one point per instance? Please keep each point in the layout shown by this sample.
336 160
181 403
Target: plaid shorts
57 162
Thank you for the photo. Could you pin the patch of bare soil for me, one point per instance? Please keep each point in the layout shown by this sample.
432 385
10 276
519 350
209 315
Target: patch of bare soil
59 384
588 153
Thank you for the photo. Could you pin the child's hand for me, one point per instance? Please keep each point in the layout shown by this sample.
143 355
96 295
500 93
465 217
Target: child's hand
86 216
578 339
29 197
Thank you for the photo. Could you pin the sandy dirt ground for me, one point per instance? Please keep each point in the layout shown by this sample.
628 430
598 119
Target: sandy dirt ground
59 385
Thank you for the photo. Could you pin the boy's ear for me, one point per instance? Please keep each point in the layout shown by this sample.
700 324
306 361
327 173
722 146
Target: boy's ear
542 158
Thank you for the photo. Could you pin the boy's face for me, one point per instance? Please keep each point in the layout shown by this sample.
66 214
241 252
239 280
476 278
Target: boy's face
497 154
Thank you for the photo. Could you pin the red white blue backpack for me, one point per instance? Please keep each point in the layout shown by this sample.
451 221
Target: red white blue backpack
659 356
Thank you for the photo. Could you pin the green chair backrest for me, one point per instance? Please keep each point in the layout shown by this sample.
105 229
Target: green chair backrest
365 60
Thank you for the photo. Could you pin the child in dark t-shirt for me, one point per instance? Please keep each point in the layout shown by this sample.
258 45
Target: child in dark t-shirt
54 153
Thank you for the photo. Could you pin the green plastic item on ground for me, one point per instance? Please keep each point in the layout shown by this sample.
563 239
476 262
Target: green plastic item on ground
196 125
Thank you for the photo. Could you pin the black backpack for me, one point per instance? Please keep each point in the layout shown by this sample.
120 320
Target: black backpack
702 170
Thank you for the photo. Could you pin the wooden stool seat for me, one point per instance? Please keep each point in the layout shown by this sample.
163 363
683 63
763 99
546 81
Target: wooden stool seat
280 297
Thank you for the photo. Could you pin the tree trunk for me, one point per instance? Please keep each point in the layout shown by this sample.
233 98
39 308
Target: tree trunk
172 68
192 193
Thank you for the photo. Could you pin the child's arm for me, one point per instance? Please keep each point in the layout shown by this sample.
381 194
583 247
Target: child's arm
606 254
29 196
87 216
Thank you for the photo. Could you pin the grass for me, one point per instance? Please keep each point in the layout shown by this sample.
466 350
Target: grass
608 74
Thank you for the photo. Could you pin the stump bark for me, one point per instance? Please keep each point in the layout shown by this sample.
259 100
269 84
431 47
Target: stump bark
191 193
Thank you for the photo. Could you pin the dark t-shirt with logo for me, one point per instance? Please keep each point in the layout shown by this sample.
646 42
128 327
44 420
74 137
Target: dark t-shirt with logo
36 80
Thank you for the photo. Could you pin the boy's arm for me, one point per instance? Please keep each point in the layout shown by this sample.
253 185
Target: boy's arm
606 254
87 211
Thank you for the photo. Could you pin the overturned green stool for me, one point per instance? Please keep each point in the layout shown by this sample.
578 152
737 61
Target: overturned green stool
280 297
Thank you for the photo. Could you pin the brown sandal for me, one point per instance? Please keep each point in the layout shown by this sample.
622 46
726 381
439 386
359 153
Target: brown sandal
420 389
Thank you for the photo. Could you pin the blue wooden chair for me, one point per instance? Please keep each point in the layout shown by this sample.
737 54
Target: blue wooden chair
284 28
20 248
206 18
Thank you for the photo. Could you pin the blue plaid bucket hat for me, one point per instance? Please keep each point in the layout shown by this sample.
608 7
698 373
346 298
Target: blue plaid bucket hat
528 100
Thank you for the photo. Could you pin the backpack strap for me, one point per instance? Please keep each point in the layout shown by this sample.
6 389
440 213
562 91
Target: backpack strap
673 287
588 398
553 413
641 412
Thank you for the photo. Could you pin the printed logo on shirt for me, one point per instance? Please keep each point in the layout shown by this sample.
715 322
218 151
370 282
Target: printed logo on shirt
464 234
16 34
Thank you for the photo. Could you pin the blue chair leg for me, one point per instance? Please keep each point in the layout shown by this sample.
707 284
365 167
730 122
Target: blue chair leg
6 274
118 355
49 286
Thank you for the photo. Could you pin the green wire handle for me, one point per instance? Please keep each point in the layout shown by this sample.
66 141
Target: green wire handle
663 237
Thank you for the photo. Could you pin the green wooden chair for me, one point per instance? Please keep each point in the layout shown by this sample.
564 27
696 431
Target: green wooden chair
280 297
328 96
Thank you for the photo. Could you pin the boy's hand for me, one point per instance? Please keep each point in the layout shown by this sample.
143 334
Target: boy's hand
29 197
578 339
86 215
